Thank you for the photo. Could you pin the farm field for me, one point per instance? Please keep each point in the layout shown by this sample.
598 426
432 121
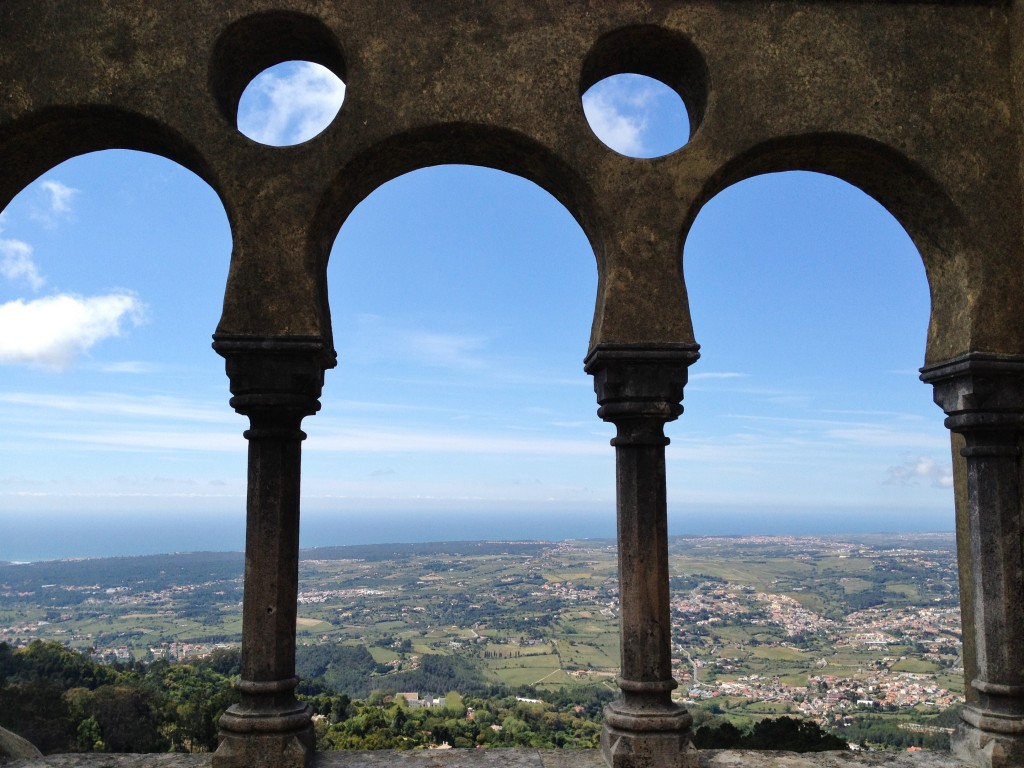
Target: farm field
818 626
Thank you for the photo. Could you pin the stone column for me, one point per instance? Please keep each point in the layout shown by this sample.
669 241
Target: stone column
983 397
276 383
639 389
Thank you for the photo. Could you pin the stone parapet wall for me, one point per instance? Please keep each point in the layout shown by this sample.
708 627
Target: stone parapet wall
518 758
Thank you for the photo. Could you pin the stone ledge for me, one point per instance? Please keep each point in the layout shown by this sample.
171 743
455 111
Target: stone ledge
515 758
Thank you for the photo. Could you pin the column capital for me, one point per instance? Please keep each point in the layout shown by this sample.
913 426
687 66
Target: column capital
979 391
278 374
640 381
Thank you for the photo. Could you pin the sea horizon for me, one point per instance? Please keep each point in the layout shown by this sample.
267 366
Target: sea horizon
39 536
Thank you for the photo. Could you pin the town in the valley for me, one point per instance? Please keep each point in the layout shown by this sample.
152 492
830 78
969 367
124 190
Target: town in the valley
825 627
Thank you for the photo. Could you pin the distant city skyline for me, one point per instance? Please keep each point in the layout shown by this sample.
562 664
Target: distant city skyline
462 299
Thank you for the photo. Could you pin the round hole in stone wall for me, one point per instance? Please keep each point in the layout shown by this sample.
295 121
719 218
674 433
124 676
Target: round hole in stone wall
290 103
644 89
281 58
637 116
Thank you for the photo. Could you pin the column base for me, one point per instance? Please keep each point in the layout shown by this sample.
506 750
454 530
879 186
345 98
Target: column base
647 739
988 748
256 740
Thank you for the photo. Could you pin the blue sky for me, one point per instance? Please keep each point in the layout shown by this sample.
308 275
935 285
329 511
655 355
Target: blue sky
462 300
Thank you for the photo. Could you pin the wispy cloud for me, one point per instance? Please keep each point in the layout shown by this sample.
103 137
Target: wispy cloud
447 350
374 440
880 413
130 366
884 436
378 338
52 332
709 375
56 206
888 422
60 196
617 113
289 108
153 440
17 264
939 475
119 421
822 436
117 495
16 256
124 405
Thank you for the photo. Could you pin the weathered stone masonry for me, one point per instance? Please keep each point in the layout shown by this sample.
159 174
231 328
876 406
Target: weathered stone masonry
917 103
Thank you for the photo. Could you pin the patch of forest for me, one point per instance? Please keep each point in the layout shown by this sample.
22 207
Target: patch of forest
29 582
63 701
352 670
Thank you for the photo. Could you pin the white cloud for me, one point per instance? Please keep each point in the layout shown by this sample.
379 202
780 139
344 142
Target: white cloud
59 195
705 375
617 110
16 263
879 436
57 203
378 339
51 332
121 405
447 350
154 440
130 366
285 109
876 435
377 440
921 468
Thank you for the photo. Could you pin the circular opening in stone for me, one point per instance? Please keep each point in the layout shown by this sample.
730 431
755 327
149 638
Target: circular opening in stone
290 103
637 116
644 90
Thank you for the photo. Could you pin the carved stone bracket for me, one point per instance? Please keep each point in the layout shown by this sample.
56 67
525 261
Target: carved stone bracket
983 397
639 389
276 383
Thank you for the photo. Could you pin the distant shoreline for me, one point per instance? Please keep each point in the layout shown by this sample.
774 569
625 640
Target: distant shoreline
478 546
55 535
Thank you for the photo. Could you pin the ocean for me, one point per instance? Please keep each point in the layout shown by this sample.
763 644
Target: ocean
41 535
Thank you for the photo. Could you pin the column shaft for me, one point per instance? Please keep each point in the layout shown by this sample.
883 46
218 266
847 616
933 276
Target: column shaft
639 389
983 397
276 384
994 526
271 554
646 630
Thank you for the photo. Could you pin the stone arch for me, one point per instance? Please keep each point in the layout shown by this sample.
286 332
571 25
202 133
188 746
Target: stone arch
489 277
452 144
800 283
32 146
141 231
918 202
455 144
44 139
